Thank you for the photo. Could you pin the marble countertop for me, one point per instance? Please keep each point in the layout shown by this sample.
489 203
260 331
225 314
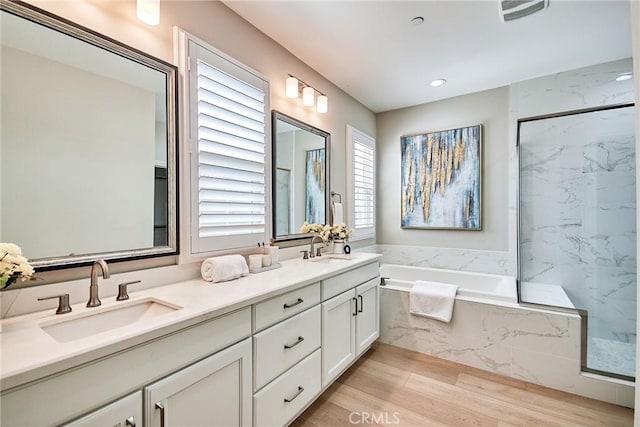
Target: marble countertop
29 353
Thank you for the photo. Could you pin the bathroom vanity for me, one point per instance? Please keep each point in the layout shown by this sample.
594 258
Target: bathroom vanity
254 351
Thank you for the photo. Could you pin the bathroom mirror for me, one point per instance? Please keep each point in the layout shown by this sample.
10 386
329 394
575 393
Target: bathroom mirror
88 143
300 176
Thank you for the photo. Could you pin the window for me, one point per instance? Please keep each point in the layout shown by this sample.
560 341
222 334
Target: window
361 163
228 131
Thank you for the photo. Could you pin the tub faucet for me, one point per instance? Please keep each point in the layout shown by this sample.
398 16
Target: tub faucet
94 301
312 253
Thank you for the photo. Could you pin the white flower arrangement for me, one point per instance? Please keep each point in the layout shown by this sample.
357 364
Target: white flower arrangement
13 265
327 232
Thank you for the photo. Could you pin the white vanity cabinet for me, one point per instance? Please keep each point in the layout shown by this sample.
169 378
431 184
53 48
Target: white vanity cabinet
260 364
350 324
213 392
126 412
86 388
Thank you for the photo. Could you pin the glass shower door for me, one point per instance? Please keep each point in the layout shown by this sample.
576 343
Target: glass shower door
577 226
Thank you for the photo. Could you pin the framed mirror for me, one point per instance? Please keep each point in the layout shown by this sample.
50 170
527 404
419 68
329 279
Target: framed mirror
301 155
88 143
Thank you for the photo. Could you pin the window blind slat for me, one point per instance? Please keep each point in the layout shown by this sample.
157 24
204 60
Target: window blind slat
363 184
231 154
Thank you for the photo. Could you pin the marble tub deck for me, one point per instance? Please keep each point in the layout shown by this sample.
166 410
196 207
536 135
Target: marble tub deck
534 345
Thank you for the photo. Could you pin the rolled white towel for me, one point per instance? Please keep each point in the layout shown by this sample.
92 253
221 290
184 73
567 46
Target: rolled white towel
224 268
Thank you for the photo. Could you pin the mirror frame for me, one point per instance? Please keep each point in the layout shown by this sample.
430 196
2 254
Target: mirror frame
276 115
57 23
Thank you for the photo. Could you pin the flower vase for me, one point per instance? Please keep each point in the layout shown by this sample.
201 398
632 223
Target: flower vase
338 247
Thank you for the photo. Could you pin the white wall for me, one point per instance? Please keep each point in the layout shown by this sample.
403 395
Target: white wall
489 108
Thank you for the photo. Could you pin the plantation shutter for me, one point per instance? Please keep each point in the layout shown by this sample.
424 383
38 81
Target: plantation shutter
229 143
362 183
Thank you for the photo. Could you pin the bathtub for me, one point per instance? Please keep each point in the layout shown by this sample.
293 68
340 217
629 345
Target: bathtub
476 287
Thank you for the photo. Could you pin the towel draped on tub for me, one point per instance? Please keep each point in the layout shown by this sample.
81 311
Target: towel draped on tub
432 299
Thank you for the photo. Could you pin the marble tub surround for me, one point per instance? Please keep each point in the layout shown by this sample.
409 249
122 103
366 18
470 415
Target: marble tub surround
535 345
28 353
491 262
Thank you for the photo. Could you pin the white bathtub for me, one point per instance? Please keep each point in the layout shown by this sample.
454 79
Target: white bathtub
477 287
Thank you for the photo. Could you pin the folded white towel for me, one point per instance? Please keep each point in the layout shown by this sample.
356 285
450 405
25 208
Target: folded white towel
432 299
223 268
337 213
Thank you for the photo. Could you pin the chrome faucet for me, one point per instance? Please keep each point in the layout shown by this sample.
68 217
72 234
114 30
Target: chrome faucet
312 253
94 301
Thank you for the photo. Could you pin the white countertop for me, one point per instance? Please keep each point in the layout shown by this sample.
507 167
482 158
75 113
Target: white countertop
29 353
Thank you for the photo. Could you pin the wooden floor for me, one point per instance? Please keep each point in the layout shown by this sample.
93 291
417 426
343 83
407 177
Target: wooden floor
397 387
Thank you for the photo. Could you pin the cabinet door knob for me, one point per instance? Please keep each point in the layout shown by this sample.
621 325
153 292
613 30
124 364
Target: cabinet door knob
300 390
131 422
160 406
361 303
293 304
288 346
355 310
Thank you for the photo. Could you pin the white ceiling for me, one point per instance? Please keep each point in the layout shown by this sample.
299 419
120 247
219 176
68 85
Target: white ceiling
371 50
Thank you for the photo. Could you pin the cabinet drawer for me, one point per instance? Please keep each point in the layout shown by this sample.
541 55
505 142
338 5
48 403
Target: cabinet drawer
342 282
284 306
281 346
284 398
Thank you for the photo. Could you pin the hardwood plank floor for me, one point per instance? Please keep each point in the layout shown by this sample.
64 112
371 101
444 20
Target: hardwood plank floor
396 387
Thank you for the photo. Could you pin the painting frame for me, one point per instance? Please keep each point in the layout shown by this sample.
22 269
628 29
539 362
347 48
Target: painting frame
441 179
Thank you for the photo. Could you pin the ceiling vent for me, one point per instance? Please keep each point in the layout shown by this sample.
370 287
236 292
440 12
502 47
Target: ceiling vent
515 9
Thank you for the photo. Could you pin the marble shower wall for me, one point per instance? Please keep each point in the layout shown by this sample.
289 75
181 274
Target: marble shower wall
538 346
578 193
578 214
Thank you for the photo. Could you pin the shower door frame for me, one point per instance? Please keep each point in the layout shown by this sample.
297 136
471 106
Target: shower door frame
584 318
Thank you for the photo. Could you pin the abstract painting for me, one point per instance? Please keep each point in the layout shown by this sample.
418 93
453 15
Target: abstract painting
440 178
314 186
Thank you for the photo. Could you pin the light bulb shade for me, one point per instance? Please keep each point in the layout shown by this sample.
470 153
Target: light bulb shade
307 96
322 104
291 88
148 11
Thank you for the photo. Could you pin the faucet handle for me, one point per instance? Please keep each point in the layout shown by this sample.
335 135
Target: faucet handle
63 303
122 290
319 251
305 254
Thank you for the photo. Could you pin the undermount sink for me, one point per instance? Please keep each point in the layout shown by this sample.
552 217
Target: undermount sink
103 319
331 258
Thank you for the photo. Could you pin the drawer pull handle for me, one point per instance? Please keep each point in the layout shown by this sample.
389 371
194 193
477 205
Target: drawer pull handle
361 303
131 422
160 406
288 346
355 311
300 390
293 304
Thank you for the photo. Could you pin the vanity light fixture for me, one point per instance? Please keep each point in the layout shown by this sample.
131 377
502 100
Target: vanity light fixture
437 82
148 11
624 76
296 88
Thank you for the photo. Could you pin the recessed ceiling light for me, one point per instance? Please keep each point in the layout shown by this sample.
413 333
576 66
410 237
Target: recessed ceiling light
624 76
418 20
437 82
